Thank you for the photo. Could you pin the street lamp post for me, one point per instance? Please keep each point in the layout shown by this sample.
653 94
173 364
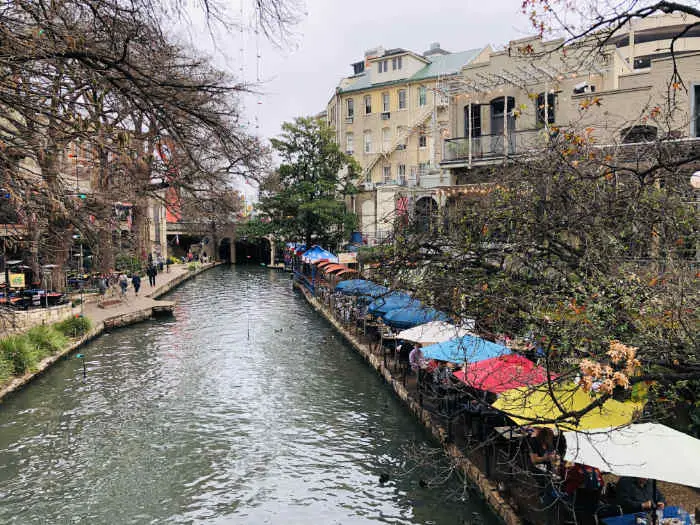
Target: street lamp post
81 272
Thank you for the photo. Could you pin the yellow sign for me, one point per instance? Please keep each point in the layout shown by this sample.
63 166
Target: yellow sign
17 280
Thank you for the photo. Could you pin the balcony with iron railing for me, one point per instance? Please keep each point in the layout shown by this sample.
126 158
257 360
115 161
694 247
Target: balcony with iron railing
491 147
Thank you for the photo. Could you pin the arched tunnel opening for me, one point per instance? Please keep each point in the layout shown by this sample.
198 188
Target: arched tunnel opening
225 250
252 251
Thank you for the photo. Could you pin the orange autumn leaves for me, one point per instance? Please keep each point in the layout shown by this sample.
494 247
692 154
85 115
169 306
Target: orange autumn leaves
606 377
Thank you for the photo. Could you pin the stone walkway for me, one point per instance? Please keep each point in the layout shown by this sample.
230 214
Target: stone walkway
133 303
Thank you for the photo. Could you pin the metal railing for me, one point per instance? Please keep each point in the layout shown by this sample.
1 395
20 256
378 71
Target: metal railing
489 146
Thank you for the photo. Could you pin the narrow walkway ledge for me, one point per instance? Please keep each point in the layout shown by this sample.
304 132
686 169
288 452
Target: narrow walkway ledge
133 310
486 488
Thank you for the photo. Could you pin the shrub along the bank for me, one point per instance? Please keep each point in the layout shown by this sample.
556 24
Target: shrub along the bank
22 353
73 326
47 339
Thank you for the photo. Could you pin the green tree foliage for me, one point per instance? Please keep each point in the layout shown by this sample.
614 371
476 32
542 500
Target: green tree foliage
306 201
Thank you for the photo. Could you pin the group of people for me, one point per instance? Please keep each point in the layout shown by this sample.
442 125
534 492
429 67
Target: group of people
122 280
582 486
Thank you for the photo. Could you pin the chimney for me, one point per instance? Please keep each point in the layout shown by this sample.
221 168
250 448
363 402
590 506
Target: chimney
435 49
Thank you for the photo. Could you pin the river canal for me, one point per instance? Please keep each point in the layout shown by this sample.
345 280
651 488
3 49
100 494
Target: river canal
244 408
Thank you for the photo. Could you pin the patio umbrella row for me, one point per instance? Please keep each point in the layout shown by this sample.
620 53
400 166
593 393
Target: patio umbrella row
602 437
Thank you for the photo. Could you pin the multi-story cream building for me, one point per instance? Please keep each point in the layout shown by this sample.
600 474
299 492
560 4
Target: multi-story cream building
423 124
541 85
390 116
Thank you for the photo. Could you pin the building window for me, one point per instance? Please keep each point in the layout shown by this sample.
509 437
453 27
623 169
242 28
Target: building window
386 174
401 174
422 96
396 63
383 66
351 107
422 140
349 139
368 141
551 104
476 120
331 116
386 139
368 104
380 66
385 102
399 59
402 99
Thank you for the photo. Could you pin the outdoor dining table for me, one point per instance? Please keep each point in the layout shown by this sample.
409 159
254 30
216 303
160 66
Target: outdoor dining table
631 519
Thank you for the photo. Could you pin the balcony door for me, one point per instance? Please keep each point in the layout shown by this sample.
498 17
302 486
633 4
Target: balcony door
497 106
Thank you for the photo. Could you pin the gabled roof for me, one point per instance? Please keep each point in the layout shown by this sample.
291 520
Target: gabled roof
449 64
446 64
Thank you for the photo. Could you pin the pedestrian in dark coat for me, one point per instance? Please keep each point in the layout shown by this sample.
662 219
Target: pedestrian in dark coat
151 272
136 282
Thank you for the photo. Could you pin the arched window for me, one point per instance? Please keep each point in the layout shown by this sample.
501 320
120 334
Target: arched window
641 133
549 110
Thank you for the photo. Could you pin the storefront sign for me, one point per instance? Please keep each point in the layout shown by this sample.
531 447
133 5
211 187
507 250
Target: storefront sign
347 258
16 280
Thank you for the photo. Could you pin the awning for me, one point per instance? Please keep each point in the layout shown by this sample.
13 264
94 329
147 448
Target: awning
322 263
465 349
646 450
317 253
435 332
412 316
499 374
346 271
392 301
534 405
332 268
360 287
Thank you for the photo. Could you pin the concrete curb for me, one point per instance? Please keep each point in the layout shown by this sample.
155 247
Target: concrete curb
487 489
116 321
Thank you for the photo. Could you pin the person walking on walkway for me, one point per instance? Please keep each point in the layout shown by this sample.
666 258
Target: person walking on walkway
136 282
151 272
123 283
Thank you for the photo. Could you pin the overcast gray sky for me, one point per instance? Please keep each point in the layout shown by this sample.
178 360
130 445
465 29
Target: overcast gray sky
334 34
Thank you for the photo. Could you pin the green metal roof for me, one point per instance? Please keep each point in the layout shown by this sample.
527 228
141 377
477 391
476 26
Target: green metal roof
439 65
446 64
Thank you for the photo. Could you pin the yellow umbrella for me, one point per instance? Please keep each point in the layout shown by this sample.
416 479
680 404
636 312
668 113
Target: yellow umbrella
529 405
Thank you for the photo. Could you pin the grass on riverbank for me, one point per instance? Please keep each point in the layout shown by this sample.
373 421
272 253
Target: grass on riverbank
22 353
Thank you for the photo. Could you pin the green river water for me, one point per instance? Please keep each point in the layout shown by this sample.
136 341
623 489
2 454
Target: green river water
246 407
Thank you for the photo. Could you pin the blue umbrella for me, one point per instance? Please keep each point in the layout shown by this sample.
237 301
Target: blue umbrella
467 348
392 301
360 287
316 253
411 316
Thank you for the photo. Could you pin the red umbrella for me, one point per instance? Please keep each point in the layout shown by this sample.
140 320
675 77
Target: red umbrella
502 373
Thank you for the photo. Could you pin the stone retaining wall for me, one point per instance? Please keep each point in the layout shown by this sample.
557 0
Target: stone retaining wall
13 320
487 489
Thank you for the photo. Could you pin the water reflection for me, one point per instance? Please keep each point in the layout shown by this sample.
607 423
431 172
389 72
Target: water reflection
245 408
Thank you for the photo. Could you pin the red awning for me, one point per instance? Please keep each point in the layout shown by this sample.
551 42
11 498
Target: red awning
346 270
332 268
502 373
322 263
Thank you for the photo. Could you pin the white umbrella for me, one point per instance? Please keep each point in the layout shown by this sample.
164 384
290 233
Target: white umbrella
436 332
646 450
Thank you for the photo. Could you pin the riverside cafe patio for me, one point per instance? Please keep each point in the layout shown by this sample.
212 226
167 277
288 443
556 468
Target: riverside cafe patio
18 290
489 397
